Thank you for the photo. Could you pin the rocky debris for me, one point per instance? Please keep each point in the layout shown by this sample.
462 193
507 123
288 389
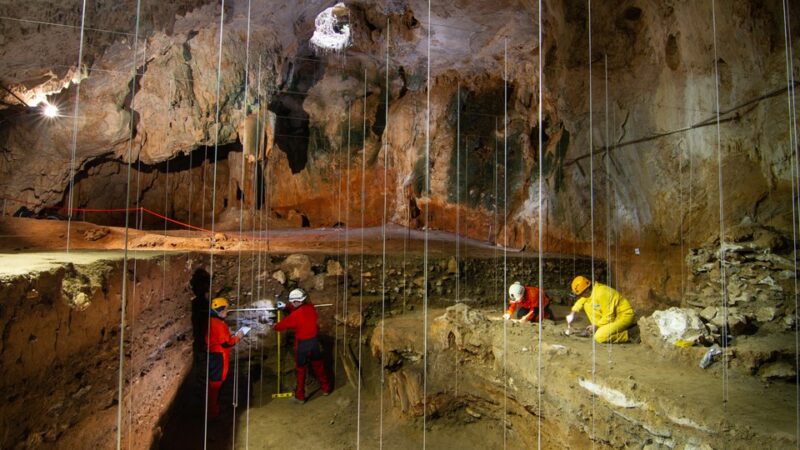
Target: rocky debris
452 265
95 234
297 267
681 324
279 276
352 320
333 268
759 276
319 282
463 329
738 323
779 370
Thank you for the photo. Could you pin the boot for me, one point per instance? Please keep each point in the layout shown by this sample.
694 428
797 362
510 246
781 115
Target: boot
213 398
300 391
319 371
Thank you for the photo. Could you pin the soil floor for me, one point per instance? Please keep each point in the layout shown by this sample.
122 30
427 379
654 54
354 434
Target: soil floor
351 418
322 422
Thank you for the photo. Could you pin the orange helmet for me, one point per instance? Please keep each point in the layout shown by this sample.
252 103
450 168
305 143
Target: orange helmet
219 303
580 284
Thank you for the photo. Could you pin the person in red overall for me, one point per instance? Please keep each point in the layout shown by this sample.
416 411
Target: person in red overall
524 302
219 342
302 319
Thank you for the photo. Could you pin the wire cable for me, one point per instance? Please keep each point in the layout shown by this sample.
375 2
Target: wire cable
214 203
70 204
383 236
541 222
425 245
124 299
722 262
591 203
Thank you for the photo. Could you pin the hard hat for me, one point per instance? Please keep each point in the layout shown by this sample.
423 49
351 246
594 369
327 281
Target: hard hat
297 296
580 284
516 291
219 303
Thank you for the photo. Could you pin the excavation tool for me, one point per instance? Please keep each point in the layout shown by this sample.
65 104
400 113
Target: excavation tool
273 309
278 393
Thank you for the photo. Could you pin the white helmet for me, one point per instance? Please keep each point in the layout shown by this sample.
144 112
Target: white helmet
297 296
516 291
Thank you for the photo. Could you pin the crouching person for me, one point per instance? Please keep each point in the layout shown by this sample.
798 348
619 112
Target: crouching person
302 318
523 304
609 313
219 342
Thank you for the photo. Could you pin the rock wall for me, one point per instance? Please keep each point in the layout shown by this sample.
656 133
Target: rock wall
319 129
60 352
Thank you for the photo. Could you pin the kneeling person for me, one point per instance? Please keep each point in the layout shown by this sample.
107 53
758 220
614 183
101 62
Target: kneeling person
302 319
609 313
524 301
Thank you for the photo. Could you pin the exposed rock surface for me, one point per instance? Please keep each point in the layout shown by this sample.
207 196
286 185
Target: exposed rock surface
759 278
657 56
634 398
60 353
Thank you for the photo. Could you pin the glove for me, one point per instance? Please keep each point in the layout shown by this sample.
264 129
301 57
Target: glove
506 316
570 317
281 305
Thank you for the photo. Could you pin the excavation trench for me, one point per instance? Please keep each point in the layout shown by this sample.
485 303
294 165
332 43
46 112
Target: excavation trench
488 382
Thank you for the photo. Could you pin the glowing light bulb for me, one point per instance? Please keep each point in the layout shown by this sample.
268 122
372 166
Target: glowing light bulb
50 110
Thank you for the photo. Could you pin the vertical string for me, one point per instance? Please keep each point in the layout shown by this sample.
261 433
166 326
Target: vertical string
722 271
425 245
505 236
257 205
345 296
361 263
458 209
609 271
257 153
203 190
338 159
214 204
789 52
245 114
124 299
136 215
264 218
541 222
383 233
75 118
591 207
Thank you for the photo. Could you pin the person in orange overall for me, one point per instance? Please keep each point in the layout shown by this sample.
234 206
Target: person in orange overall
302 319
219 342
524 302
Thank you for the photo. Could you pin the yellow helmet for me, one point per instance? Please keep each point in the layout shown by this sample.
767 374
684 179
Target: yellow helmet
219 303
580 284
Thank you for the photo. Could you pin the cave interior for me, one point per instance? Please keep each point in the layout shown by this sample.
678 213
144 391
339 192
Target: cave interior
406 165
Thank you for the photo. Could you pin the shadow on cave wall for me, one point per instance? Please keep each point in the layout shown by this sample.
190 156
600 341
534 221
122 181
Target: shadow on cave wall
291 124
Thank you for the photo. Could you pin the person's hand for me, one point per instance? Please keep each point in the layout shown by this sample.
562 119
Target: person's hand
591 329
506 316
240 334
280 305
570 318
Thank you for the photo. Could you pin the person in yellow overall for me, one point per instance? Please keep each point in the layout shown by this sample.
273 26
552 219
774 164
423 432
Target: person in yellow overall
609 312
